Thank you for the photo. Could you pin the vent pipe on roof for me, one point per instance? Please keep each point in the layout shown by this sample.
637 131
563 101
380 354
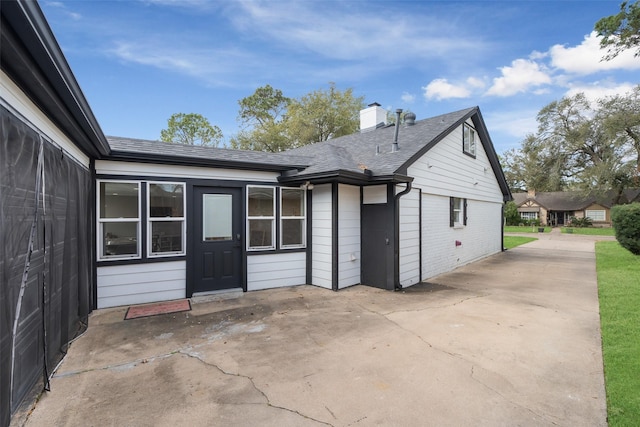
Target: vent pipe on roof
395 147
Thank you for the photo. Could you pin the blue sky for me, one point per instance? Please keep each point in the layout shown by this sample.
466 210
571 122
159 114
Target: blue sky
138 62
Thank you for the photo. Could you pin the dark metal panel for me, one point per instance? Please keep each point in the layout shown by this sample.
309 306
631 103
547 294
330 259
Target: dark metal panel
334 236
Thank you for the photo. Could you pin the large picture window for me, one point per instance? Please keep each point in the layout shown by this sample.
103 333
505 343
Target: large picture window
261 213
596 214
292 218
469 140
119 219
166 219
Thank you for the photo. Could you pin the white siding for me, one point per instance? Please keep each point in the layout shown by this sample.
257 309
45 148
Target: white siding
321 236
276 270
348 235
373 194
141 283
410 238
481 236
18 101
446 171
108 167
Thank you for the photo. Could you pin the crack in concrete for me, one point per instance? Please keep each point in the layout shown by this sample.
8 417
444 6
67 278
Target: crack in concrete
434 306
255 387
543 416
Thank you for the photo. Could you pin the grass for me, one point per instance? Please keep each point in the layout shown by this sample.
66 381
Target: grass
592 231
513 241
524 229
619 294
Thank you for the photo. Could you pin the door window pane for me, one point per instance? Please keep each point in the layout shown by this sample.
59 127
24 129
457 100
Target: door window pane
217 217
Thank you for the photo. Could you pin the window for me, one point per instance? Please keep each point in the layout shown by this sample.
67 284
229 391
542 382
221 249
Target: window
118 219
166 219
292 218
529 215
596 215
469 140
457 212
261 211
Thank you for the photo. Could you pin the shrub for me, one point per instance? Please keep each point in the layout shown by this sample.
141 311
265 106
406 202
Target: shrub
626 222
511 214
580 222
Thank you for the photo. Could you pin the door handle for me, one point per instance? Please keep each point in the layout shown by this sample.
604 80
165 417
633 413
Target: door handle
238 237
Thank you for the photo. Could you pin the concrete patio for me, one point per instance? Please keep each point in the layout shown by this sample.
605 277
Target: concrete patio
510 340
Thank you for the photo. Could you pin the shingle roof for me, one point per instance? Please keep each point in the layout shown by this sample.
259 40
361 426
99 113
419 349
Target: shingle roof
356 152
123 147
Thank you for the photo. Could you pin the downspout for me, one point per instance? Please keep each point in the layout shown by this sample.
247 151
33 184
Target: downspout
396 224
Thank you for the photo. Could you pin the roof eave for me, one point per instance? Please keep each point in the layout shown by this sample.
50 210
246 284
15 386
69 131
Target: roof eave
33 59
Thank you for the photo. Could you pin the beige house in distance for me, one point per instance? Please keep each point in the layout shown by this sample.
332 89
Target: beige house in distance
558 207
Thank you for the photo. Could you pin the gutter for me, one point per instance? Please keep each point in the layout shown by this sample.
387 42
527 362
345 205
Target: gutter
396 224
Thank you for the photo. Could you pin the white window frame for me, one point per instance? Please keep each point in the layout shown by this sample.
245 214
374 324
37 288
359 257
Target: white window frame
459 209
150 220
271 217
529 215
601 215
469 144
101 221
302 217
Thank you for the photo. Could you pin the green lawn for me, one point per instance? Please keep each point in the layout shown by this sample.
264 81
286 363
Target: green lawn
619 293
513 241
592 231
524 229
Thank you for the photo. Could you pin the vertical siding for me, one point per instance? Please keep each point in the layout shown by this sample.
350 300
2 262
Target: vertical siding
321 213
141 283
276 270
410 238
348 235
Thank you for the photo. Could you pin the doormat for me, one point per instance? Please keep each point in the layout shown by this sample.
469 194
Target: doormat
146 310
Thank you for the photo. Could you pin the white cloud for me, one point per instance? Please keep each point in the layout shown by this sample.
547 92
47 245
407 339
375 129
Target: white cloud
599 90
522 75
586 58
476 83
408 98
442 89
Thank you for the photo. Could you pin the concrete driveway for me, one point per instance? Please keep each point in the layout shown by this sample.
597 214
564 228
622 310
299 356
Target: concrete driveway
512 340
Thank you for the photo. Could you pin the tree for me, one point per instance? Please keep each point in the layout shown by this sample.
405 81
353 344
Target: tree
262 118
322 115
191 129
621 31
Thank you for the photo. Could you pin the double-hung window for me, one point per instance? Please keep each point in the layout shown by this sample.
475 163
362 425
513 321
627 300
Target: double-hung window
596 214
261 215
119 220
457 212
166 219
292 218
468 140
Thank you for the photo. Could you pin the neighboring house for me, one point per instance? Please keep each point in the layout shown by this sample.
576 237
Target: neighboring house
558 207
91 222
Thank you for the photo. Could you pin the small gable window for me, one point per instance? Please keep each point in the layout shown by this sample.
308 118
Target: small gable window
457 212
469 140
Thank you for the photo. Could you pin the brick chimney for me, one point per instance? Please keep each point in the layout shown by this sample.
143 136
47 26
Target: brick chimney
372 116
531 194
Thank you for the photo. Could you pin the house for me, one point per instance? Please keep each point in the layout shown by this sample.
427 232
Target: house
388 207
556 208
92 222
